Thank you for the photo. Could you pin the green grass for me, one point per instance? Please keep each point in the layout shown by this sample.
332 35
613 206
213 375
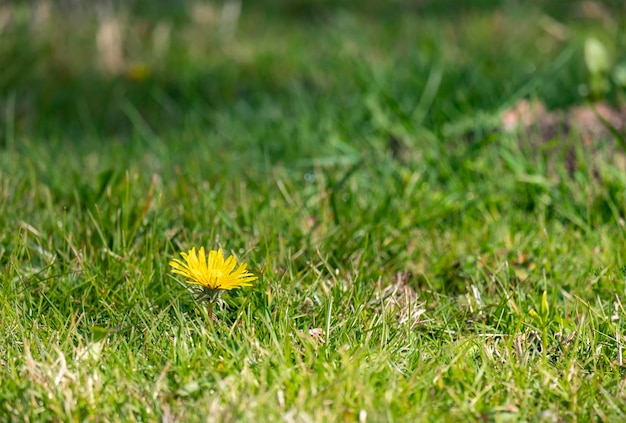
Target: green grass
403 243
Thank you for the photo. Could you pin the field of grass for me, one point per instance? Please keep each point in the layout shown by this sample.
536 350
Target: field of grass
415 261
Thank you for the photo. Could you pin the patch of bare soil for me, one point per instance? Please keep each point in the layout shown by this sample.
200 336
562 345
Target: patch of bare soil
592 124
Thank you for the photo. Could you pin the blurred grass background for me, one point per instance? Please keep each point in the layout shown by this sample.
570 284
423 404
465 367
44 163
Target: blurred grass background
97 67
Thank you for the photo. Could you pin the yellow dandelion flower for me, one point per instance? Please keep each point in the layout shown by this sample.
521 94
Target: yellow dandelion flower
138 72
214 274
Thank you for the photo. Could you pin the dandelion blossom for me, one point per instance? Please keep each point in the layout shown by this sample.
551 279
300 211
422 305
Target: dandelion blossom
213 275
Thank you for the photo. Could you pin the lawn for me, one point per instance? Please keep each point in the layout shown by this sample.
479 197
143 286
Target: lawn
418 257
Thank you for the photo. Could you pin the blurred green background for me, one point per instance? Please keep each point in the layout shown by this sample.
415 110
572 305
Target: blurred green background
107 68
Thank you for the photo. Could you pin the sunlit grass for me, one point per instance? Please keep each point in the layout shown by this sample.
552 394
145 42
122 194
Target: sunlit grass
414 262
